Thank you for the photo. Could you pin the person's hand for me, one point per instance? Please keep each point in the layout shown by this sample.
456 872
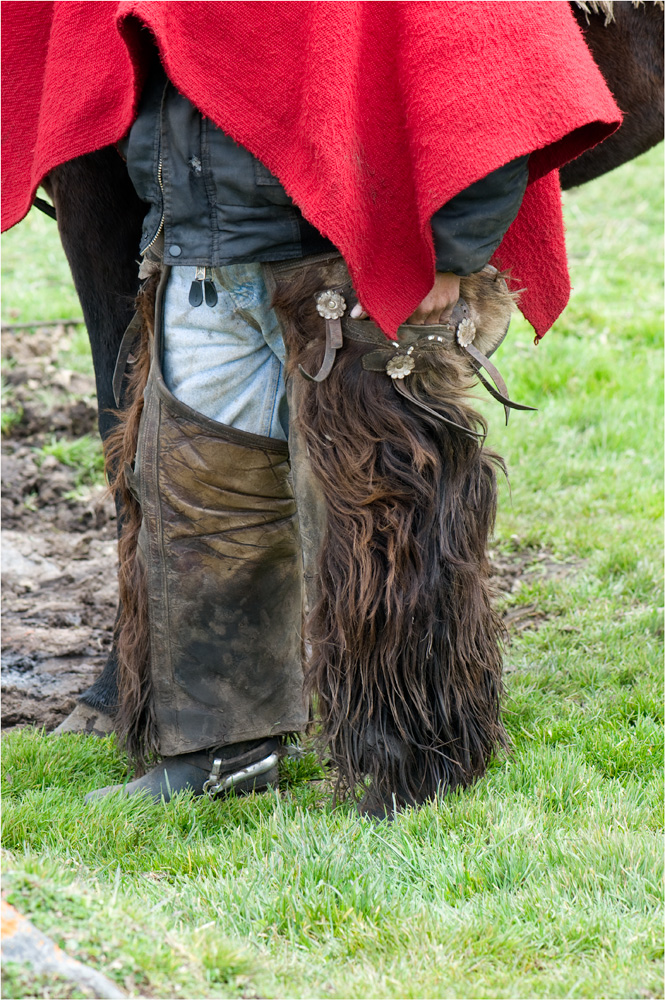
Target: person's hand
437 305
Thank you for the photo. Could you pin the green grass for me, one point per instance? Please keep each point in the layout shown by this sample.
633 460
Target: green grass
544 879
83 454
36 281
18 981
11 417
12 412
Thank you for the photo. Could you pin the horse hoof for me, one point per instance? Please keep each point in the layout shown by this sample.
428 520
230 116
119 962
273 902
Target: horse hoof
85 719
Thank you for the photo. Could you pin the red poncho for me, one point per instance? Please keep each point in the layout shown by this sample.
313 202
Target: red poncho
372 115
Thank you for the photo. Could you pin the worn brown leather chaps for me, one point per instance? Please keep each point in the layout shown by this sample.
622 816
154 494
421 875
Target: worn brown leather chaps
219 550
396 497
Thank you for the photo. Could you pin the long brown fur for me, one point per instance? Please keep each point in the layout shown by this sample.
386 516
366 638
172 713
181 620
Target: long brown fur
406 648
134 720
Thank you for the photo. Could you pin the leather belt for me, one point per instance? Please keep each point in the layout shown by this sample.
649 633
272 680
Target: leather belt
415 346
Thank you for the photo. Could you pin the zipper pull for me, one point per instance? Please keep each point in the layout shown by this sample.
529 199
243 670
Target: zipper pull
210 290
196 288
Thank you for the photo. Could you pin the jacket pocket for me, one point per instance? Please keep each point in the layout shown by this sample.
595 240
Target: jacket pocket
263 177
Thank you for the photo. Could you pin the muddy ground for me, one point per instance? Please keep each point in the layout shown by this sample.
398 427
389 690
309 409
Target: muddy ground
59 588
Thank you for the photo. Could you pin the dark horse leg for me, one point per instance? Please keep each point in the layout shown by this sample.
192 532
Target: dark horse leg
629 54
99 218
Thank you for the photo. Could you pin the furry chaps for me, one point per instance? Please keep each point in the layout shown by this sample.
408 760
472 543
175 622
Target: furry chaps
406 649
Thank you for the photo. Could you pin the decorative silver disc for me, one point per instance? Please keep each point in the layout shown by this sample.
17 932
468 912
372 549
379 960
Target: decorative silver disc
466 331
330 305
400 365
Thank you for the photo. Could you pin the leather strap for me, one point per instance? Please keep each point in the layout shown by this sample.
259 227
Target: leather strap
399 387
334 341
44 207
129 338
501 392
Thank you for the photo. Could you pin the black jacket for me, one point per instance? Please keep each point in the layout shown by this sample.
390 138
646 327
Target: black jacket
217 204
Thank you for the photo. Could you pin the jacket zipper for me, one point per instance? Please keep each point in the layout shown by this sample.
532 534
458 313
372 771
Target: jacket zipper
159 173
161 221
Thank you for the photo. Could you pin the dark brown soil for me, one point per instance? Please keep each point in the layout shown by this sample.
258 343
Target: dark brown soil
58 554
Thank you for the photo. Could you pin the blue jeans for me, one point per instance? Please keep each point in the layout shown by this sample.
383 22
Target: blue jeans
227 362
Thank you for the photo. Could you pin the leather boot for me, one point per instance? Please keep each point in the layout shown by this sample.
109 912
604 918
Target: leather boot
242 768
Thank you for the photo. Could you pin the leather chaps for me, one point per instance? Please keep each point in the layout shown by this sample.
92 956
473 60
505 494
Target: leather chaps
405 661
218 557
396 496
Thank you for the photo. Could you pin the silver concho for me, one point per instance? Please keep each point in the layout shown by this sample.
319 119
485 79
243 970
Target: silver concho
330 305
466 331
400 365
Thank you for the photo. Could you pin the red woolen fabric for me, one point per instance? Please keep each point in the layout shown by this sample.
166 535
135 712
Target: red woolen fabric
372 115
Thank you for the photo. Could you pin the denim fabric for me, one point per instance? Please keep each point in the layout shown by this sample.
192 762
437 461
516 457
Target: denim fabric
227 362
